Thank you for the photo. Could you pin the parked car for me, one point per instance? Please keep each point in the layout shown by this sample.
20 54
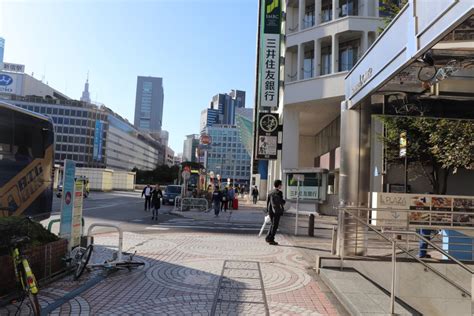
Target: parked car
85 181
170 194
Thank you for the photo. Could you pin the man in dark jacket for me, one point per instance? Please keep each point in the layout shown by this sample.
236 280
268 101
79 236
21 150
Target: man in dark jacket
156 196
216 200
275 204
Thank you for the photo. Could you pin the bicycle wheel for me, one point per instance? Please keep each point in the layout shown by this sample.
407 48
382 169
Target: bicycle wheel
84 260
129 265
32 297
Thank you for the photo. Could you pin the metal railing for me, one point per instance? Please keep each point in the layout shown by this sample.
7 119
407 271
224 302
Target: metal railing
187 204
397 242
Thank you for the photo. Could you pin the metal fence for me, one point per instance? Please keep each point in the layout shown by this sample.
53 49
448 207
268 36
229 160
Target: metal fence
187 204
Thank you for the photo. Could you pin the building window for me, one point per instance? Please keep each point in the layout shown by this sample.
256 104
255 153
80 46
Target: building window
309 16
326 10
348 7
348 52
325 60
308 64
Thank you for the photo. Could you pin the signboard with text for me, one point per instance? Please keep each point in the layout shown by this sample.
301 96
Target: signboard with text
270 54
267 136
67 200
77 214
98 139
423 210
14 67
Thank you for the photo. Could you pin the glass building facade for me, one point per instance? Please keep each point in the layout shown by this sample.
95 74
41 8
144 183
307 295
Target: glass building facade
227 155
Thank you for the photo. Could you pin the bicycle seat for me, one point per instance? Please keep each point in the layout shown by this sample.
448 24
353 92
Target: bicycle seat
19 240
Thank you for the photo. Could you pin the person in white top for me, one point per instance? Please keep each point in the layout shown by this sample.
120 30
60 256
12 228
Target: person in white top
147 193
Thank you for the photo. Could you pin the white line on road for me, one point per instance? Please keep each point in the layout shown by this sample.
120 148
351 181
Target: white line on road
157 228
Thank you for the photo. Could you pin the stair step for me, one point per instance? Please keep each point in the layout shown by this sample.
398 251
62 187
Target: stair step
360 296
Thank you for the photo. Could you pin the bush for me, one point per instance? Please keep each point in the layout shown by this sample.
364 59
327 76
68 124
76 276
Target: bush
19 226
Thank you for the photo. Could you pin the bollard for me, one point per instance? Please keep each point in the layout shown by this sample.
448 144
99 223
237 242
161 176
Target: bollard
311 225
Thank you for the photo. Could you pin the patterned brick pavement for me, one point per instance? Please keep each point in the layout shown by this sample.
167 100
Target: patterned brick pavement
197 274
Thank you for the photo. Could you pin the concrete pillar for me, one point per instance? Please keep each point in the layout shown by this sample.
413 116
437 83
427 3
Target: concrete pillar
300 62
364 42
354 178
377 10
335 53
302 7
291 139
317 13
317 57
365 9
335 9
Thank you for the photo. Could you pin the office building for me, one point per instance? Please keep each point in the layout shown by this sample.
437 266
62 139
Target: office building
324 40
209 117
190 146
149 104
225 104
93 136
227 155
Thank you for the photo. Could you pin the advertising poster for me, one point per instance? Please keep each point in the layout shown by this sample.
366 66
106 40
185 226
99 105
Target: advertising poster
421 203
445 206
463 212
77 214
67 199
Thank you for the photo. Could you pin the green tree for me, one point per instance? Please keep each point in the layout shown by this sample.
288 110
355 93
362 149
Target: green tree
436 148
389 9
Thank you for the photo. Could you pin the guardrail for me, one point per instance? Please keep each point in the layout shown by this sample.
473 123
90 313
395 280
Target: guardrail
187 204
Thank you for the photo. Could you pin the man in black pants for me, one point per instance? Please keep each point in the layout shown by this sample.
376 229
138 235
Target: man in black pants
275 204
147 193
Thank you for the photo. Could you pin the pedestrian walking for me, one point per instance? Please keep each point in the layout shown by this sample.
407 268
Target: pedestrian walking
231 197
216 200
225 199
255 194
156 196
275 208
147 193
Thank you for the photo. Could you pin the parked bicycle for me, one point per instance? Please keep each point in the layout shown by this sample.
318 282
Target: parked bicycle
26 281
81 256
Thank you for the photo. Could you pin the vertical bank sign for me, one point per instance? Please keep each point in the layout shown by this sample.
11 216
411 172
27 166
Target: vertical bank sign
98 139
270 54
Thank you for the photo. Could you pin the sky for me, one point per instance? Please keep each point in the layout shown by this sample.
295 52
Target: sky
199 48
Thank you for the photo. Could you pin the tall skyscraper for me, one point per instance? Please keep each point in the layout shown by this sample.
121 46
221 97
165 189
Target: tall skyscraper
149 104
85 94
226 103
190 145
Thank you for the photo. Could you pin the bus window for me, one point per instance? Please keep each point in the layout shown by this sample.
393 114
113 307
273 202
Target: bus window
29 142
7 157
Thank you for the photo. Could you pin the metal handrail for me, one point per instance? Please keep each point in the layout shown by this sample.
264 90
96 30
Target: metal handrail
397 232
394 242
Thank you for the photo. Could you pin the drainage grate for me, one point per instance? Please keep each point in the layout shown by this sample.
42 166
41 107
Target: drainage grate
240 289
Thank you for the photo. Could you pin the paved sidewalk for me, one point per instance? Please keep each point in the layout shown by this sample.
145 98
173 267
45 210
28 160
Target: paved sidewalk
201 273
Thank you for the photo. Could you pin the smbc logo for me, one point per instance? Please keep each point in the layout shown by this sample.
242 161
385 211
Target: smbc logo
272 6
